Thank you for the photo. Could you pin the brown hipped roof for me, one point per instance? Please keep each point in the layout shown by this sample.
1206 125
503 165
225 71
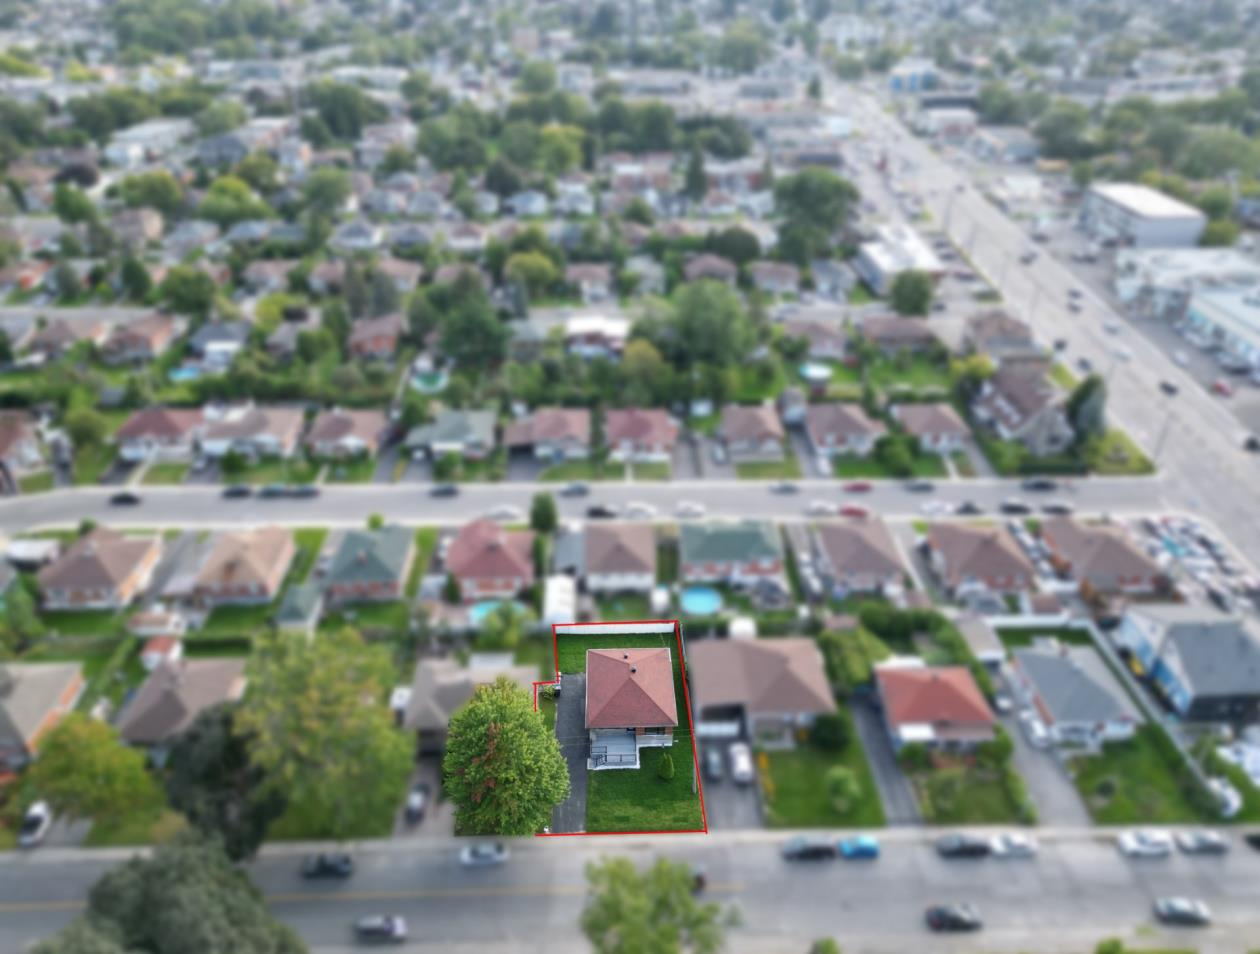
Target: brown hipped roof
159 423
764 676
639 425
924 420
741 423
1097 550
103 558
979 552
860 547
334 425
485 549
629 687
250 557
620 548
931 695
550 424
175 694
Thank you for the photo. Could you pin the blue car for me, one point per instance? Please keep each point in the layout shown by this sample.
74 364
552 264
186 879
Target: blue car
859 846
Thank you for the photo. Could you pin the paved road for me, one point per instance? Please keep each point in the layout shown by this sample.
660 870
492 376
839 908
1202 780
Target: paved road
1077 892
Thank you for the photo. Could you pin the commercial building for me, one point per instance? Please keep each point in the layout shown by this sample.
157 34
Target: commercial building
1140 217
895 249
1230 317
1160 282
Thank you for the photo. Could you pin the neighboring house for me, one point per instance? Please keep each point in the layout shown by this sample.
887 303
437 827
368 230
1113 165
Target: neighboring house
857 556
836 428
470 434
300 609
552 433
356 236
940 707
1101 555
490 562
158 433
895 249
1026 408
1206 665
141 341
593 280
327 277
710 266
174 694
828 341
370 566
639 434
101 570
21 452
751 432
596 336
1005 339
340 433
764 690
936 426
135 228
266 276
1072 692
217 343
33 699
975 559
59 336
404 274
245 567
619 557
440 687
630 704
893 333
775 278
252 431
376 338
738 552
832 280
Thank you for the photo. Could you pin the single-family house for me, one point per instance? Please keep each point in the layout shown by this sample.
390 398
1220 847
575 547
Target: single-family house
596 336
357 235
832 280
828 341
619 557
217 343
21 451
404 274
529 203
370 566
300 609
441 686
1005 339
775 278
265 276
174 694
637 434
713 267
551 433
592 280
158 433
491 562
251 430
767 690
1024 407
60 335
141 341
893 333
34 697
1101 556
376 338
101 570
327 277
836 428
857 556
940 707
630 704
470 434
340 433
751 432
1071 691
976 559
937 427
741 552
245 567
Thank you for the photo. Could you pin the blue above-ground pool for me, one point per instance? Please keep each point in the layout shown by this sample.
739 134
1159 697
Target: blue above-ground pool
700 601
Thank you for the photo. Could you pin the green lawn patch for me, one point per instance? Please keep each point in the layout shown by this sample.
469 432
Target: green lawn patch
667 561
238 620
1017 638
963 464
650 470
169 472
964 795
568 470
758 381
1133 783
1064 378
36 483
426 541
309 542
640 800
852 467
623 606
300 823
919 374
83 622
146 826
861 295
91 462
795 791
360 470
787 469
392 615
547 706
275 470
1115 455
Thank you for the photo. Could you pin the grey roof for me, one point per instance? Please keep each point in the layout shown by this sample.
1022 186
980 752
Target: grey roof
722 542
440 686
28 692
1213 655
175 693
218 331
372 556
299 605
454 426
1067 689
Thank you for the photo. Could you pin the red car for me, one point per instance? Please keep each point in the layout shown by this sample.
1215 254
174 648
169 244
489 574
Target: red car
1222 387
853 510
857 487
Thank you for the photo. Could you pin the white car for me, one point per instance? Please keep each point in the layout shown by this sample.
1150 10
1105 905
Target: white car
822 508
689 508
506 513
937 508
483 854
741 764
1013 845
1180 358
1111 327
1145 843
35 825
640 510
1034 729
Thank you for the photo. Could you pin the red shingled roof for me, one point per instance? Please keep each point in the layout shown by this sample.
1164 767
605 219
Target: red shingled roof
629 687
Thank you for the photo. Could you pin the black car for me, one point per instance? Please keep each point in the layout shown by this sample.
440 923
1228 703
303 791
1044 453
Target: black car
444 490
1253 840
237 491
273 491
1015 508
962 846
1084 365
417 802
1040 483
808 849
575 489
600 512
714 768
1252 443
920 486
784 487
302 491
124 499
327 866
969 508
1168 388
953 917
1057 508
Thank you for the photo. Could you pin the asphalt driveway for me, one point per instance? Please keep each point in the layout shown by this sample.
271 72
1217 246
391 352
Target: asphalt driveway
728 806
570 815
900 805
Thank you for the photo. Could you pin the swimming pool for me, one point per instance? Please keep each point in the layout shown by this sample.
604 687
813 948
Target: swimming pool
185 372
814 373
700 601
478 612
429 382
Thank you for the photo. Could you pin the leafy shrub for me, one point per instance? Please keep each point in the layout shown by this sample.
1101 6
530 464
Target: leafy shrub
830 732
666 769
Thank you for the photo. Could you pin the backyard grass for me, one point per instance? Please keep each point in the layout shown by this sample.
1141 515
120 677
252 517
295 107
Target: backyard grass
238 620
861 295
919 374
82 622
169 472
758 381
787 469
640 800
667 562
361 470
1132 783
36 483
851 466
793 783
583 470
547 706
393 615
309 542
623 606
426 540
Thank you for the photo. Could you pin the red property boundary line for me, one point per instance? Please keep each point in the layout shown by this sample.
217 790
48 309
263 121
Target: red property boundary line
695 760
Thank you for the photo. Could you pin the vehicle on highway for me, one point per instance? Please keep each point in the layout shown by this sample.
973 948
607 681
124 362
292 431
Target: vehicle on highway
1201 841
237 492
854 512
1013 844
507 513
821 508
1222 388
783 487
953 917
484 854
1074 307
1040 483
1145 843
741 764
327 866
714 768
273 491
1112 327
1184 912
1003 703
859 847
1074 293
919 486
1180 358
125 498
802 848
1060 344
689 508
1253 839
1028 257
960 845
857 487
936 508
1058 508
1169 388
381 929
417 802
1014 507
574 488
640 510
35 824
1084 365
302 491
444 490
969 508
601 512
1252 443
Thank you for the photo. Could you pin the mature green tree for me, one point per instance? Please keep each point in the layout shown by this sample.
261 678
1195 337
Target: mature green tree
187 290
230 200
85 771
67 282
502 178
383 296
534 270
396 159
210 779
1211 153
911 293
560 148
472 335
896 452
86 426
1220 233
695 182
735 243
71 205
345 109
543 515
518 142
326 189
1087 408
221 116
503 770
259 171
1062 130
707 323
632 912
816 197
319 732
20 624
84 936
742 46
159 190
135 278
537 78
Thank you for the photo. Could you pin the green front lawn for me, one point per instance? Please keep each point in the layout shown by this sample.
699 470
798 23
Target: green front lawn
758 381
852 467
1115 455
861 295
650 470
309 541
1132 783
36 483
787 469
145 826
795 791
170 472
393 615
82 622
300 822
275 470
361 470
1013 638
91 463
640 800
1064 378
569 470
623 606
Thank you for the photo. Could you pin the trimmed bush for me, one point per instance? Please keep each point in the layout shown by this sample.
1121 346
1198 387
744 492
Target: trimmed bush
666 768
830 732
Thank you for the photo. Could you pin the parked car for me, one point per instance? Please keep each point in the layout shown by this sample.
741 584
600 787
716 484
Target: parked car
783 487
802 848
327 866
1084 365
35 824
640 510
444 490
741 764
1222 388
821 508
689 509
1034 729
953 917
417 802
302 491
857 487
1145 843
1252 443
859 847
1180 358
507 513
1003 703
1185 912
969 508
381 929
714 769
1058 508
854 511
1169 388
575 489
1040 483
125 498
1015 507
273 491
920 486
1201 841
238 491
1013 844
959 845
483 854
601 512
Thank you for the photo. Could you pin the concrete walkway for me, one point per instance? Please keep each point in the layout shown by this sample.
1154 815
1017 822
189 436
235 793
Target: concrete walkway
570 815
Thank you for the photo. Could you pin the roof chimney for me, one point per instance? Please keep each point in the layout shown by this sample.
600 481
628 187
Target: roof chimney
634 669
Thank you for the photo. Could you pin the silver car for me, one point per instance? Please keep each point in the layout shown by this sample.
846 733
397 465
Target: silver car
742 772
